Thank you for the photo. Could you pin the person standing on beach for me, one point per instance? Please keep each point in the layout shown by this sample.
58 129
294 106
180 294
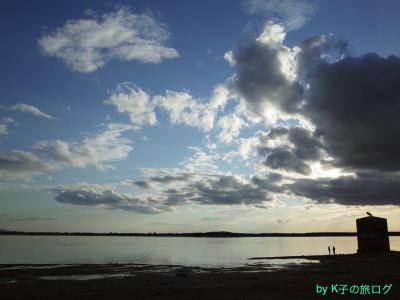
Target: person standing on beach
329 250
333 250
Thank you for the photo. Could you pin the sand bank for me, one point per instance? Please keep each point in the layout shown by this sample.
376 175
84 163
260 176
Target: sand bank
258 280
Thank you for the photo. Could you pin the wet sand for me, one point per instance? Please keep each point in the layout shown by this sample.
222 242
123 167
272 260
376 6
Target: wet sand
257 280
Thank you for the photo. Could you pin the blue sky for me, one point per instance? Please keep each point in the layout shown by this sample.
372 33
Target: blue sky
197 115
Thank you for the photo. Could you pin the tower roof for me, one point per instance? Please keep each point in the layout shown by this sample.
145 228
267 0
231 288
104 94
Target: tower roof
371 218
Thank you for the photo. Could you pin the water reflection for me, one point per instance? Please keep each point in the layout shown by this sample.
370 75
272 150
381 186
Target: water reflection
204 252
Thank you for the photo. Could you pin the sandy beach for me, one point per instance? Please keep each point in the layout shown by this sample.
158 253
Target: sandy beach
258 280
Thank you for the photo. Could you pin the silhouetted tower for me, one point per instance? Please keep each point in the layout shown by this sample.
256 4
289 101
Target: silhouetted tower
372 234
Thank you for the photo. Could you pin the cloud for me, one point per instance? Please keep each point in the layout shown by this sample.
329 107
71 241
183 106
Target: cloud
286 160
363 188
183 109
322 107
290 149
86 45
230 126
329 110
7 217
198 182
142 184
283 220
16 164
3 129
5 126
219 97
108 199
265 75
180 187
130 99
229 190
201 161
354 105
293 14
165 179
96 150
320 49
29 109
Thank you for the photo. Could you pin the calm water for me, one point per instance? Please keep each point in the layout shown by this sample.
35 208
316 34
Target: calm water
205 252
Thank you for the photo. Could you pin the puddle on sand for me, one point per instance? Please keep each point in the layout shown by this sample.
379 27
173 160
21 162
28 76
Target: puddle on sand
33 267
277 264
8 282
123 271
85 277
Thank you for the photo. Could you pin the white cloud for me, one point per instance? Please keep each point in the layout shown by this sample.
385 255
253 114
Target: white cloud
4 126
86 45
248 146
219 97
211 146
29 109
201 161
183 109
230 126
228 56
272 34
293 14
97 150
130 99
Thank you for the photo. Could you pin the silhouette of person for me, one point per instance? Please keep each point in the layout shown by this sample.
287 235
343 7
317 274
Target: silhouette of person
333 250
329 250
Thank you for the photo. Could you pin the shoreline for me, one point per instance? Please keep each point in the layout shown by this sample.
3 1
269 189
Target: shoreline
256 281
213 234
209 234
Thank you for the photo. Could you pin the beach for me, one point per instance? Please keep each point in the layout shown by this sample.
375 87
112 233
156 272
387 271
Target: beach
257 280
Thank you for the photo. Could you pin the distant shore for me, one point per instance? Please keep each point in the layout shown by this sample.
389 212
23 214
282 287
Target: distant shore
215 234
257 281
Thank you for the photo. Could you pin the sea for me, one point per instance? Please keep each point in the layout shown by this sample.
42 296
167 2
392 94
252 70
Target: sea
184 251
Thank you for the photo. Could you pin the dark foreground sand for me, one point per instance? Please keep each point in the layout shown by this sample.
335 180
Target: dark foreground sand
130 281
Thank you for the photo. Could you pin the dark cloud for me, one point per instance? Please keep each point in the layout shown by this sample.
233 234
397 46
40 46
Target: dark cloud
319 49
15 164
207 190
7 217
170 178
216 189
174 197
355 104
365 188
162 179
143 184
280 221
268 182
228 191
303 147
210 219
287 160
260 81
109 199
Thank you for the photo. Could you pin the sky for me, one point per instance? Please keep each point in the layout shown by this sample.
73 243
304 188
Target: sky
184 116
